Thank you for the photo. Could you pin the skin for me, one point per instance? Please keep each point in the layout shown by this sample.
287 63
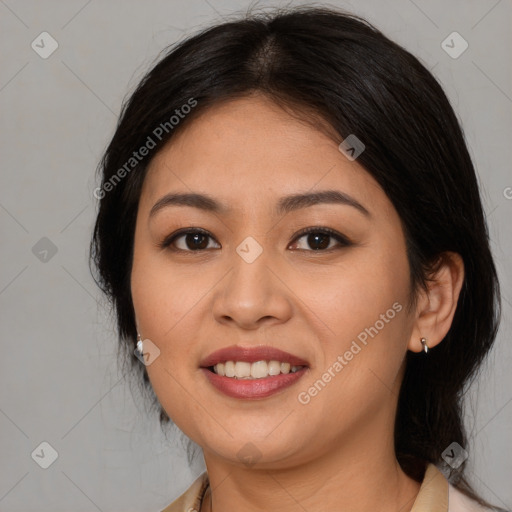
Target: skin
338 448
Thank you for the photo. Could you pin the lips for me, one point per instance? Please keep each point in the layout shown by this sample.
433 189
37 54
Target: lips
253 389
251 355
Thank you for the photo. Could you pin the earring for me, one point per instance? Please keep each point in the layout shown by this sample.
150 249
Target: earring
424 343
140 345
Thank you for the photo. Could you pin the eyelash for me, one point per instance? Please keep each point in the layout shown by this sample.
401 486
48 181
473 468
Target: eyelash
341 239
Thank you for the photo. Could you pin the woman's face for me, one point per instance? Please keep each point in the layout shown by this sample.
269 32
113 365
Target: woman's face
253 280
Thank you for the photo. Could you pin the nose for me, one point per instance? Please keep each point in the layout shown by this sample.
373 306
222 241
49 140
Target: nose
252 294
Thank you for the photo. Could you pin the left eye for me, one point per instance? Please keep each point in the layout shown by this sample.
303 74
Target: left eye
319 238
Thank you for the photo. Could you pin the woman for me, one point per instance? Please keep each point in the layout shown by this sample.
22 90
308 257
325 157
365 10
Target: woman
291 232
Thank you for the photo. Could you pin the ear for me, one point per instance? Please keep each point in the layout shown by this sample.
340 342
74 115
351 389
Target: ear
435 309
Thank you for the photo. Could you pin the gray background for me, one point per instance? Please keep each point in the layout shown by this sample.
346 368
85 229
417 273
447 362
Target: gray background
59 381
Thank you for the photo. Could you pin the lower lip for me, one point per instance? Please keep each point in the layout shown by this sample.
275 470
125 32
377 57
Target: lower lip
253 388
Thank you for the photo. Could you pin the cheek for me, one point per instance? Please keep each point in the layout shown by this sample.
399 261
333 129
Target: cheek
164 304
171 304
161 294
355 293
364 306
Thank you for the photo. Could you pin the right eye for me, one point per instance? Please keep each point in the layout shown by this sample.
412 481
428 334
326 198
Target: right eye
193 240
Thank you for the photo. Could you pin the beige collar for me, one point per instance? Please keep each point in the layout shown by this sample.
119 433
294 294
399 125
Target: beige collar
433 495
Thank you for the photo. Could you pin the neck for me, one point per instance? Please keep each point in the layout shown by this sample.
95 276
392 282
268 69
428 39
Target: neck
358 474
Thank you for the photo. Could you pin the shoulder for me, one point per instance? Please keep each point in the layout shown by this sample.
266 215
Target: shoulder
459 502
190 500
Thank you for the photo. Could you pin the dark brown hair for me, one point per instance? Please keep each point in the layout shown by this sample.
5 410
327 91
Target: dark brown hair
339 68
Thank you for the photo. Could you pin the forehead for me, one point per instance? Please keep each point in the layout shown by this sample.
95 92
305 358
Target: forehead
248 150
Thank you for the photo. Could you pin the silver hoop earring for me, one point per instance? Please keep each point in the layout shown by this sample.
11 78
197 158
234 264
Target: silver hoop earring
140 345
424 343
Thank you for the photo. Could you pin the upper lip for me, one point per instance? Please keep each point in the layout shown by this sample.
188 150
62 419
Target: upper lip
251 355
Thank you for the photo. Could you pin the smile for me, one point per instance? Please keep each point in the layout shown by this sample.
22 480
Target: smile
252 372
256 370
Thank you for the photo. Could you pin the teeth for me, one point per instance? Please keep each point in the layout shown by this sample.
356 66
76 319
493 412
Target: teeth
242 369
229 368
220 369
274 368
257 370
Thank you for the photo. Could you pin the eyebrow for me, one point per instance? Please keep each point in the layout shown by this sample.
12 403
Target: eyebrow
285 204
